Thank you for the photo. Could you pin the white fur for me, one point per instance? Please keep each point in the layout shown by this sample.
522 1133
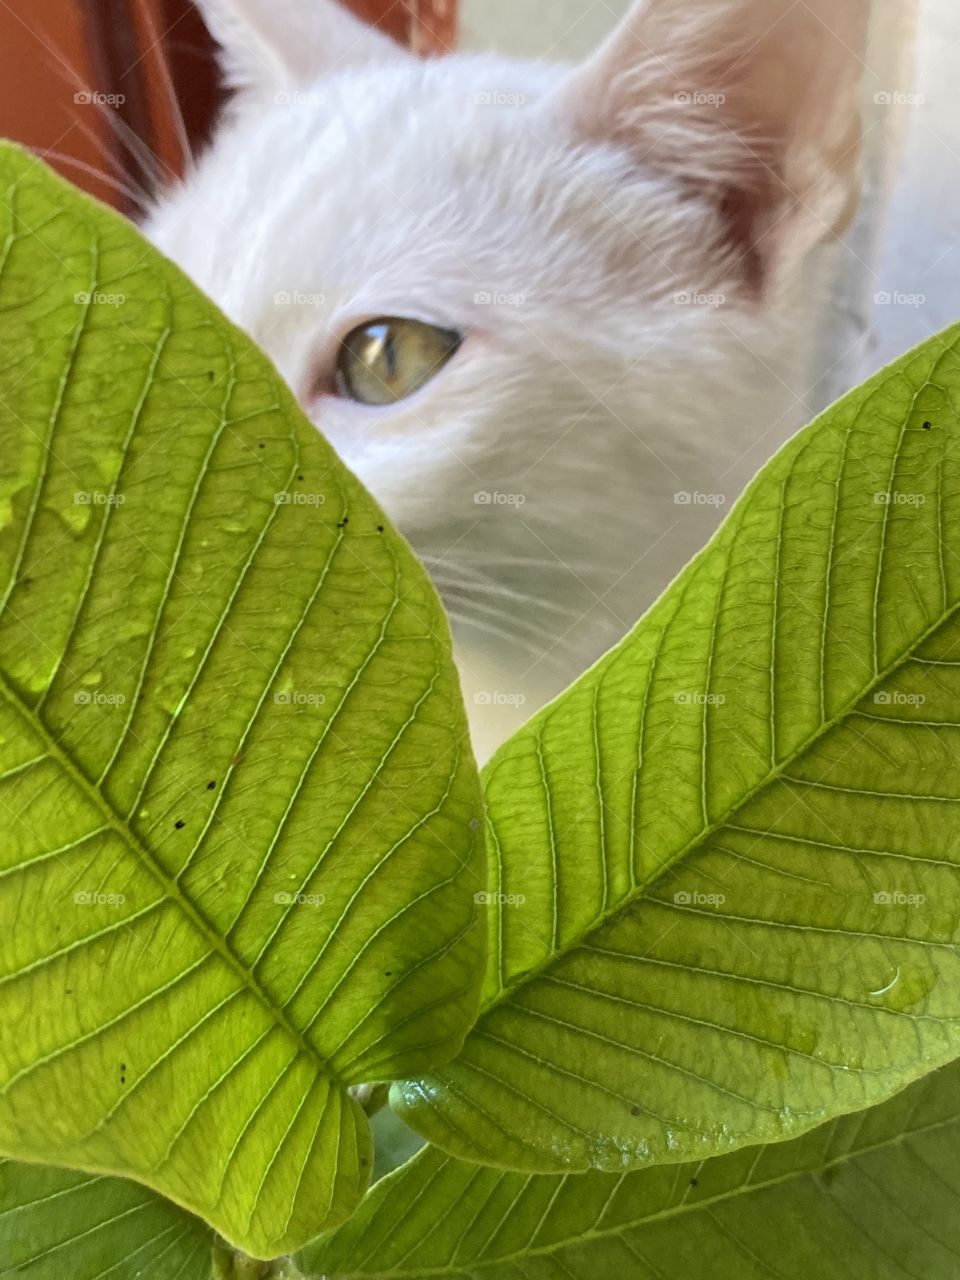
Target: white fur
586 397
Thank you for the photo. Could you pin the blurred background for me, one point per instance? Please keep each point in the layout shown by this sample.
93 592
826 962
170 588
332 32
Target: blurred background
123 85
112 92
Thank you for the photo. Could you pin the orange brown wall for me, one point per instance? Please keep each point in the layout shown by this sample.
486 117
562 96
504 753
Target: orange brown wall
139 53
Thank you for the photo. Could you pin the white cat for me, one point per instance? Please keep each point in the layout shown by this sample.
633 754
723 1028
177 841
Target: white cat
595 289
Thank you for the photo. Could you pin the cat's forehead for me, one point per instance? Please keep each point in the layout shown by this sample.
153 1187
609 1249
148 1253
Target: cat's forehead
376 190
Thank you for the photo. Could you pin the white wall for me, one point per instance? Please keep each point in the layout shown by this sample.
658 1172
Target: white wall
906 243
920 263
556 29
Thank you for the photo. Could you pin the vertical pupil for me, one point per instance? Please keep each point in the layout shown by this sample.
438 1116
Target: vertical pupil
390 354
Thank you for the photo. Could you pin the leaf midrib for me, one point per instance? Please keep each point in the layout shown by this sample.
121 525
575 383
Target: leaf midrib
674 1211
168 884
772 776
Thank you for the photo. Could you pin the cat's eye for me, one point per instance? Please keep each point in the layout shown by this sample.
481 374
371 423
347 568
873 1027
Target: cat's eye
387 359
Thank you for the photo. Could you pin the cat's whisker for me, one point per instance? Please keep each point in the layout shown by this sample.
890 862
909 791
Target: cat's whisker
506 593
468 557
126 136
148 160
455 585
520 642
514 626
67 74
176 114
124 188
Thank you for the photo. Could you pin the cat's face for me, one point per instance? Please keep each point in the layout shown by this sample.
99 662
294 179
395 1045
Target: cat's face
528 306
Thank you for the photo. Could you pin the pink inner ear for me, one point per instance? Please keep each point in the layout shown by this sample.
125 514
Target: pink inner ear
749 102
745 232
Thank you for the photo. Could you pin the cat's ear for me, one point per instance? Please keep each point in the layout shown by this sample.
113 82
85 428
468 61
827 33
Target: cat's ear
268 45
752 102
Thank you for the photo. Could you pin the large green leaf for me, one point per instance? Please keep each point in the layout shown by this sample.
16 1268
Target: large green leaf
871 1196
728 858
238 803
56 1223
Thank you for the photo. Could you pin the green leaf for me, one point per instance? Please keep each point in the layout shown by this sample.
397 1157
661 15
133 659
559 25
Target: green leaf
239 807
871 1196
728 858
56 1223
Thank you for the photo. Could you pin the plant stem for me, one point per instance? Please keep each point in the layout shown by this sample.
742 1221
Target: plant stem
371 1097
230 1264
